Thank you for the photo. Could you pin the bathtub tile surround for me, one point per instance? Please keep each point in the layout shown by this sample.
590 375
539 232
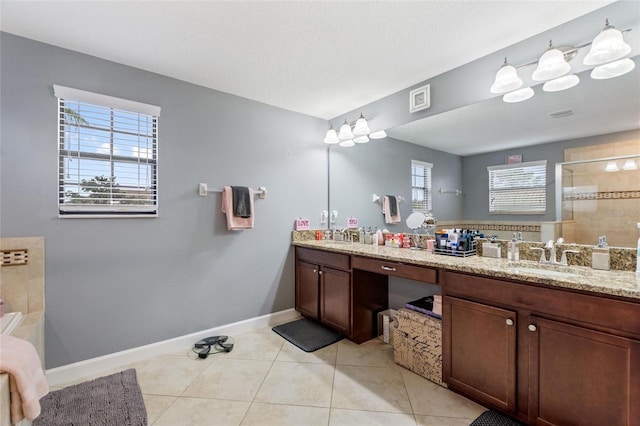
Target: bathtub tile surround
22 285
353 384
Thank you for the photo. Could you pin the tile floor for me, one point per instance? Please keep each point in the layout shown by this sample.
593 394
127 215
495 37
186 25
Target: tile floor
266 380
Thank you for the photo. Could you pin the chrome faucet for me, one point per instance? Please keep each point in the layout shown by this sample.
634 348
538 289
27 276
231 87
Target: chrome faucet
552 257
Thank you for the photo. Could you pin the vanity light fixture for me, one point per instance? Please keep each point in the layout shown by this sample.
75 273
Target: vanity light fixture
357 132
518 95
380 134
612 166
613 69
506 79
630 164
607 51
561 83
608 46
552 64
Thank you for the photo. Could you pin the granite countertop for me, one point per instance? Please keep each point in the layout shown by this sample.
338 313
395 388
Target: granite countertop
615 283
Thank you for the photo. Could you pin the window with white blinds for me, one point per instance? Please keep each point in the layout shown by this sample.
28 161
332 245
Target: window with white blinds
421 185
108 155
518 188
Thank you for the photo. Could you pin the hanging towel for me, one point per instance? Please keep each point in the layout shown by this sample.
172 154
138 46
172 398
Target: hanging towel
27 383
241 201
390 209
236 222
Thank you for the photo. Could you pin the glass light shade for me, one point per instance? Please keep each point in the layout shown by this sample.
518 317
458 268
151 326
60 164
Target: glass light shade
611 167
518 95
630 165
345 132
506 79
380 134
361 139
361 127
331 137
347 144
606 47
561 83
551 65
613 69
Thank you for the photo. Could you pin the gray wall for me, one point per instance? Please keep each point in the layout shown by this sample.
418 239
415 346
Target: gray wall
383 167
113 284
475 178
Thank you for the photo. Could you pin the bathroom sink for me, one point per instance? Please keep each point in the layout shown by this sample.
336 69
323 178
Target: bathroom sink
547 272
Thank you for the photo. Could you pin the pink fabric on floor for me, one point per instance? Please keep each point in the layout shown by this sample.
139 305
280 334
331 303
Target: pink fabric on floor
26 379
235 223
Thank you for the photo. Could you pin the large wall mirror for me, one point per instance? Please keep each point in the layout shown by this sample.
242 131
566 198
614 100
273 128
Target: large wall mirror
475 136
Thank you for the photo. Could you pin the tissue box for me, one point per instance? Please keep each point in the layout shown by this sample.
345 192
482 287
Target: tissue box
491 250
417 344
385 321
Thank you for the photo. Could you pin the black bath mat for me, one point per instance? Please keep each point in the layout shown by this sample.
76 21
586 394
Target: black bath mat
493 418
109 400
307 335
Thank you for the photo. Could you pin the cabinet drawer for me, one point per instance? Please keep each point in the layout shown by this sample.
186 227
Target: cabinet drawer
335 260
584 309
418 273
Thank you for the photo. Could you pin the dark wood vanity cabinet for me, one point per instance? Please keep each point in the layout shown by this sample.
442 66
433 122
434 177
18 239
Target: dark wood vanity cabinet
481 345
546 356
323 288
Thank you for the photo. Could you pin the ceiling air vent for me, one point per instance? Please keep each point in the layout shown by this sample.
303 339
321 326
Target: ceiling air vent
561 113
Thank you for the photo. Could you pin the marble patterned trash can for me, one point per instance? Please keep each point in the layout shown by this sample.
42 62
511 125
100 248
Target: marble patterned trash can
417 344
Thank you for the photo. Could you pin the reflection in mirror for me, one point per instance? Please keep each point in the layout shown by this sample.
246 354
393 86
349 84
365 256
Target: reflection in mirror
600 197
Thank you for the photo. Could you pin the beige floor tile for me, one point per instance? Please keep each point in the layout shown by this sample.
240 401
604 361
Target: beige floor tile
297 384
260 346
168 375
237 379
292 353
341 417
260 414
442 421
156 405
429 399
372 353
370 388
203 412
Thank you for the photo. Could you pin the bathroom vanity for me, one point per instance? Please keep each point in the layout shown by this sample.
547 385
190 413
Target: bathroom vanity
548 346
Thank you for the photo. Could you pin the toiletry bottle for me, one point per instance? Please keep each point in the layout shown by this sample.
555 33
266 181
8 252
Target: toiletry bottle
513 252
600 255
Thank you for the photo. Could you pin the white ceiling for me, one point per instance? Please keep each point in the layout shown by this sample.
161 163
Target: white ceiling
319 58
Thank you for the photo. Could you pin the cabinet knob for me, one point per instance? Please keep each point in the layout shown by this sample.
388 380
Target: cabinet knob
532 327
509 321
320 272
315 270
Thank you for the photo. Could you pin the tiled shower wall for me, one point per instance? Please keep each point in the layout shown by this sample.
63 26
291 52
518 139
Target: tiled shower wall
22 284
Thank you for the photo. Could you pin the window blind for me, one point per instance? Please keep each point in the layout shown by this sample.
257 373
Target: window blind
107 156
518 188
421 185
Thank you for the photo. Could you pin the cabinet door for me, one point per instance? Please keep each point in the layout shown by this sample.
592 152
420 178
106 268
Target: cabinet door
480 352
582 377
307 289
335 299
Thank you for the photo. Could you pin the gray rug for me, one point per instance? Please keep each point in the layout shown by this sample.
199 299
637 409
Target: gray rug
493 418
110 400
307 335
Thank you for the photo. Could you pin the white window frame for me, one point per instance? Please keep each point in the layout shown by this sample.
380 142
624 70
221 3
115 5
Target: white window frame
425 188
518 188
136 198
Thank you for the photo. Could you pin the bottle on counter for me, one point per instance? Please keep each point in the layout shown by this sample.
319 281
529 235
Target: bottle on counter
600 258
513 251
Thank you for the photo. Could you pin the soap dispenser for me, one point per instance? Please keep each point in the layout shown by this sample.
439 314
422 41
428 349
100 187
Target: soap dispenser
600 255
513 251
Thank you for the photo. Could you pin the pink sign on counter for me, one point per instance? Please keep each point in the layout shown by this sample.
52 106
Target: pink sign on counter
302 224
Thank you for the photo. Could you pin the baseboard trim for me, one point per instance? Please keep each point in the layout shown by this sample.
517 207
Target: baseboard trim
103 364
